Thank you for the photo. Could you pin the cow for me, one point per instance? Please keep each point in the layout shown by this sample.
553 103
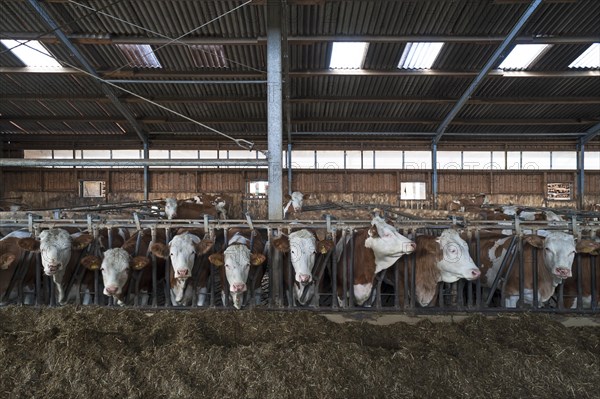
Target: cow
300 248
588 251
220 202
530 215
294 204
186 251
554 254
241 263
125 272
181 209
437 259
16 270
376 248
59 254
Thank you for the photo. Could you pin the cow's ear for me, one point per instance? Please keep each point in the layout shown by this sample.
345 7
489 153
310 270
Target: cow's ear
287 197
29 244
91 262
82 241
324 246
588 247
160 249
217 259
282 243
6 260
535 240
139 262
204 246
257 259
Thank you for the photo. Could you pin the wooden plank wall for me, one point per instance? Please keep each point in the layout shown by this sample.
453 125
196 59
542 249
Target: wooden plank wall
52 188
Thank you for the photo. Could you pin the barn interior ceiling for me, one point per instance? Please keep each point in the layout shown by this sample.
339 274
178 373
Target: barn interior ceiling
181 73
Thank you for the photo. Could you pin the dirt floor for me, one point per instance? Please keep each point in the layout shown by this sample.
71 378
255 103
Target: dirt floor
93 352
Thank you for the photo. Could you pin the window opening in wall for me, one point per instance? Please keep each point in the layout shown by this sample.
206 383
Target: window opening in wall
413 191
257 188
92 188
559 191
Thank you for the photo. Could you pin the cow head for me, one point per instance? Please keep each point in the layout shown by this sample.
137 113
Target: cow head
182 251
387 244
237 260
55 246
559 251
116 266
454 260
171 207
295 201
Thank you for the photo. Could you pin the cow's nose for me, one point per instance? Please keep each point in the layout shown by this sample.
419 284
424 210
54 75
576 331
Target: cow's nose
304 278
411 246
111 289
183 273
475 274
238 287
563 272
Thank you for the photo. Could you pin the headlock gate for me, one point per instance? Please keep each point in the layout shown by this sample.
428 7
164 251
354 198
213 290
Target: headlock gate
516 278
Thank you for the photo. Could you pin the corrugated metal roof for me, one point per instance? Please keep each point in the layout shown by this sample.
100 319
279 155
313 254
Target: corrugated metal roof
370 104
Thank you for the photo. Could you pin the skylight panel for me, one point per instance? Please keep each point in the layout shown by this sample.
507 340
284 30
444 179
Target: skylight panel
31 52
590 58
420 55
348 55
523 55
140 55
209 56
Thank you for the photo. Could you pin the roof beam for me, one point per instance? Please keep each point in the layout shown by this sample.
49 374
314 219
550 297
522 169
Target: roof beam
81 59
105 39
308 100
590 134
166 77
485 70
158 119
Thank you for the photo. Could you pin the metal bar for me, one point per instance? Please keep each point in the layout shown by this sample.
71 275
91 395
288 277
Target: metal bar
334 270
434 174
274 110
580 282
184 82
485 70
7 162
590 134
580 175
73 50
593 290
534 265
350 271
499 275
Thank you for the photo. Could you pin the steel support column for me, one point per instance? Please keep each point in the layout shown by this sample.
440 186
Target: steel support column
580 174
274 110
434 175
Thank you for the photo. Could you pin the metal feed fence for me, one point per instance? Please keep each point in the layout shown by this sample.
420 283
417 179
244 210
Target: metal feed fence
393 289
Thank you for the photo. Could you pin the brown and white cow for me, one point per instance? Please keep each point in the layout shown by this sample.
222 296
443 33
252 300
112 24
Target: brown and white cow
376 248
125 274
59 254
16 270
241 264
554 254
190 269
181 209
588 252
301 248
437 259
294 204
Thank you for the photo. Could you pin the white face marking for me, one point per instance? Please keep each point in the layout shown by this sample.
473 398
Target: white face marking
170 207
302 254
55 248
559 252
362 292
456 262
297 200
237 267
115 271
182 252
490 275
389 246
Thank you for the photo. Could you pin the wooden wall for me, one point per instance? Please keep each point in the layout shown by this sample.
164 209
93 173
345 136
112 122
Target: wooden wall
46 188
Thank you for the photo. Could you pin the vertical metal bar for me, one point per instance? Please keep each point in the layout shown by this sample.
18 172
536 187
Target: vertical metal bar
38 281
225 283
521 274
413 282
580 175
478 290
434 175
397 267
593 290
579 282
154 272
344 255
274 110
334 270
405 281
534 265
167 270
351 271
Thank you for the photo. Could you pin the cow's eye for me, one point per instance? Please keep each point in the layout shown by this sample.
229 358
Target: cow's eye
548 249
101 269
